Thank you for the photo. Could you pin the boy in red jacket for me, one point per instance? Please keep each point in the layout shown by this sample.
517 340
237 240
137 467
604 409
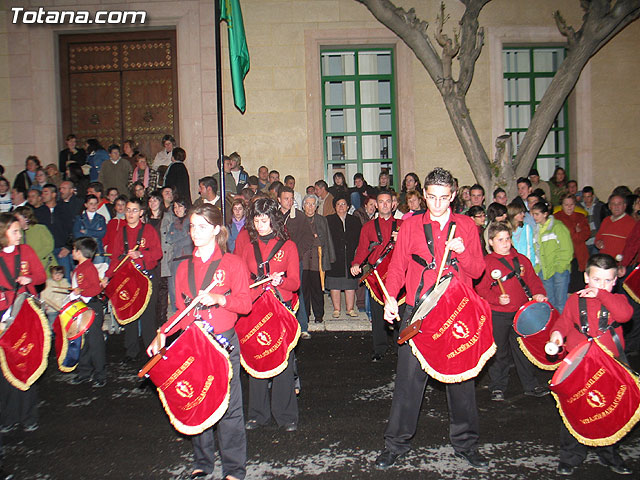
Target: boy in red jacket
86 286
520 284
598 301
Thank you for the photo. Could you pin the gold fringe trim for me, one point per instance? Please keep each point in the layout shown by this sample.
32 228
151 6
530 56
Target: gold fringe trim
46 347
215 416
534 360
461 377
141 311
280 368
616 437
381 302
631 293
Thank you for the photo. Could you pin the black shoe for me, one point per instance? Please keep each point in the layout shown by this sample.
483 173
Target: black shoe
474 458
565 469
198 474
251 424
497 396
538 392
290 427
77 380
386 459
318 320
619 468
128 359
376 357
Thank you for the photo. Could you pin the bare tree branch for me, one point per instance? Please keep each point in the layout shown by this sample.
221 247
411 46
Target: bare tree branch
565 29
471 41
449 50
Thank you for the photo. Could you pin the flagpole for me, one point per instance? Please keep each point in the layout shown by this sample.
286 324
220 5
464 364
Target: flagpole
221 187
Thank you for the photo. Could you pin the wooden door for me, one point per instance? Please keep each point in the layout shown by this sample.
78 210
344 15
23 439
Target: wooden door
120 86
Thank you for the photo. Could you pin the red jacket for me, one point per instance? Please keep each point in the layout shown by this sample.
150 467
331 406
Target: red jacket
149 247
619 311
512 287
285 260
88 280
580 251
631 252
615 234
233 274
30 266
368 234
114 228
411 240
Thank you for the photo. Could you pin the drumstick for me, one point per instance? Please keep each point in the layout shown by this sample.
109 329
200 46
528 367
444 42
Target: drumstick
62 290
496 274
384 291
191 306
264 280
446 253
125 258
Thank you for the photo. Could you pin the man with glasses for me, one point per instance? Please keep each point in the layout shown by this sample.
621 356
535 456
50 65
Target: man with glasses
424 238
146 256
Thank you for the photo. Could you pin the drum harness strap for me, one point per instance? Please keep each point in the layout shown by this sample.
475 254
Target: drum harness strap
263 266
603 326
514 272
207 279
452 262
387 248
125 240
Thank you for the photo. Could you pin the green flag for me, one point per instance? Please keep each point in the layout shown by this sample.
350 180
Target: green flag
238 52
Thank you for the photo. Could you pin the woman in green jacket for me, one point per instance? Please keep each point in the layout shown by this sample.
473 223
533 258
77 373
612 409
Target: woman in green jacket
36 236
554 252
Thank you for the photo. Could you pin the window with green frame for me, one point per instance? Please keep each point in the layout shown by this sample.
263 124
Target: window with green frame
528 71
358 112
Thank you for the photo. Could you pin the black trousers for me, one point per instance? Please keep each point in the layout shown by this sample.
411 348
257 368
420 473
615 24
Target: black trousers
573 452
232 441
508 348
313 295
93 354
411 381
383 334
162 305
17 406
282 402
146 324
631 328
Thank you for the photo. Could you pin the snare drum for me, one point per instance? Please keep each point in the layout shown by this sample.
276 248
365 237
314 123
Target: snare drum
76 318
533 323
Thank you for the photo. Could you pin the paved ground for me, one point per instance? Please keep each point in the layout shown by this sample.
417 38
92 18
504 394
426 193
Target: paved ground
121 431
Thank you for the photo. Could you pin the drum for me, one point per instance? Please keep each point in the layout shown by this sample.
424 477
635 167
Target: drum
632 284
534 323
597 397
25 342
67 351
267 335
76 318
192 378
129 291
455 339
372 283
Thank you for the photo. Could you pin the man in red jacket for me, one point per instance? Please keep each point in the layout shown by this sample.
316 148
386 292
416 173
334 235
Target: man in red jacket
374 237
146 256
425 237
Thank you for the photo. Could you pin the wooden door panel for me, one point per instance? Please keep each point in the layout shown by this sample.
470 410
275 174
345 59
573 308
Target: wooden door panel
148 101
96 106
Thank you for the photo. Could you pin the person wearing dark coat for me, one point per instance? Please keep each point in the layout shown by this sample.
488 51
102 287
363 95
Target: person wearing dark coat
345 234
71 154
177 175
26 177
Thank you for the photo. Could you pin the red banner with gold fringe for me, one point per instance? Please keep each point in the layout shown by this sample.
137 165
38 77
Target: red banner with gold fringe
456 337
597 397
267 335
25 344
129 291
192 379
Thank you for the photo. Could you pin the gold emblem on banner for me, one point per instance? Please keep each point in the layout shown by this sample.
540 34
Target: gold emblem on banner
595 399
263 338
460 330
124 295
184 389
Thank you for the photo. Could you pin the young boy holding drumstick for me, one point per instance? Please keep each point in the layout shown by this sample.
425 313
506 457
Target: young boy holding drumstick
509 281
86 286
596 298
